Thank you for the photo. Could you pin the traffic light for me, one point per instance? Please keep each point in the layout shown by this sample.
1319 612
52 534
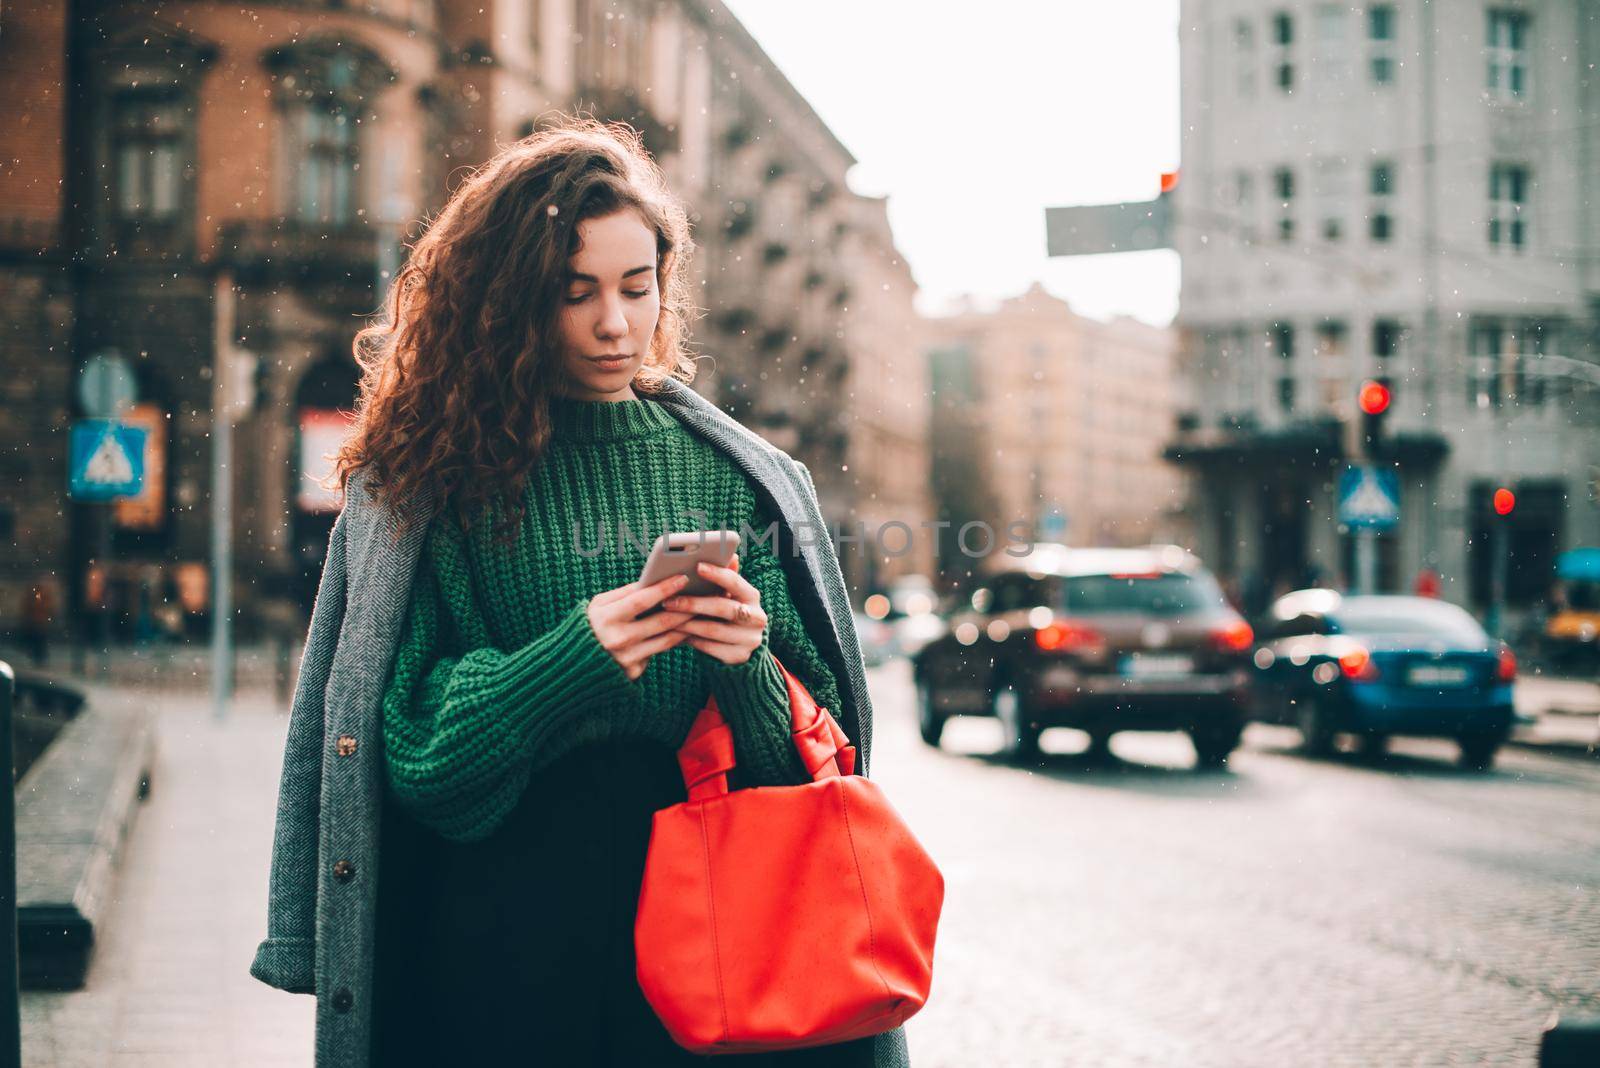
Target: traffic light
1504 501
1373 399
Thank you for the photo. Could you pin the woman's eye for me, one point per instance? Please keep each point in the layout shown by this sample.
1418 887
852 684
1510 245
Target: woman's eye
637 292
577 298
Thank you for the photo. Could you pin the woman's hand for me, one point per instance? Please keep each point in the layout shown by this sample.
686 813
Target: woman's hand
726 627
631 641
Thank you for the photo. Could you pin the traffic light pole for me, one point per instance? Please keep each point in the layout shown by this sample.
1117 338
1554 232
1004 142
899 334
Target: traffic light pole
1366 560
1499 549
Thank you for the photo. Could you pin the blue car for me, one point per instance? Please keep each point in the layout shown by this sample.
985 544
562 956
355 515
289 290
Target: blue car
1376 666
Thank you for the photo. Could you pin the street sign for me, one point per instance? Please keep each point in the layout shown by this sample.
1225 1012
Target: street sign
1092 229
106 385
1369 497
107 460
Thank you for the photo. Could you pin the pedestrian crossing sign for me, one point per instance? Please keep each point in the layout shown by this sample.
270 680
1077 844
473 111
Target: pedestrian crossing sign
1369 497
107 460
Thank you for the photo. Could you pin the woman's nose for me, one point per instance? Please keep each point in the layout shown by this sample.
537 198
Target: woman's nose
612 322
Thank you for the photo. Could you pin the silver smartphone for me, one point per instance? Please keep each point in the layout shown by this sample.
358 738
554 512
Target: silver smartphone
680 553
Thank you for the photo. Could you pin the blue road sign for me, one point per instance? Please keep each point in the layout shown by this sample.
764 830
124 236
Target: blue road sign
107 460
1053 524
1369 497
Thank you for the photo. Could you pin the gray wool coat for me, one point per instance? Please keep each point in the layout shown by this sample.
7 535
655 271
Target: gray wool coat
323 892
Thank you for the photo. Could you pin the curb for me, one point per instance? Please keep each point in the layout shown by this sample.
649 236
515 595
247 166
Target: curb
74 810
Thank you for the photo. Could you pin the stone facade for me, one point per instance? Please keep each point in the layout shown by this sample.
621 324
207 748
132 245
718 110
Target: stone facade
1398 192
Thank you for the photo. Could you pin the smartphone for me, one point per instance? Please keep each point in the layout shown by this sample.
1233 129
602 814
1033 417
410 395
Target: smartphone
680 553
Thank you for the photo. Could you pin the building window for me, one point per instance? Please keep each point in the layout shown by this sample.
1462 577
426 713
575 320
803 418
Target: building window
1331 65
1286 394
1243 370
1508 194
1380 187
1385 339
1531 341
1493 371
612 44
1507 54
1283 51
1331 194
1244 216
325 89
147 150
1380 44
1283 340
1283 189
141 82
326 188
1505 362
1244 59
1332 369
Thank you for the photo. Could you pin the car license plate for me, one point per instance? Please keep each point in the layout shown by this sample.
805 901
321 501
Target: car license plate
1437 675
1156 665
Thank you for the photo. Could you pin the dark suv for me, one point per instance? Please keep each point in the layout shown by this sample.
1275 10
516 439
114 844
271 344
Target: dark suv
1103 640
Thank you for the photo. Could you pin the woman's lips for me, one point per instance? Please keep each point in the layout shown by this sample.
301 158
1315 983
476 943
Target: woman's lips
610 363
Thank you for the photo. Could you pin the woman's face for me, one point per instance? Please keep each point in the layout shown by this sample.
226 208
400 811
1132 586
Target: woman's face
609 307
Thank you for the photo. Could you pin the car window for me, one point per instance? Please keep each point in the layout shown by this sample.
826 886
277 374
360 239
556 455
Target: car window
1431 619
1297 627
1158 593
1012 592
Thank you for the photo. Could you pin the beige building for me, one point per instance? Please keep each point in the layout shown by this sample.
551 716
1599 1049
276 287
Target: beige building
293 149
887 407
1068 416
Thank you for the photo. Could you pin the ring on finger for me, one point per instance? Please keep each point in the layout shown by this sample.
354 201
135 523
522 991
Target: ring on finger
743 616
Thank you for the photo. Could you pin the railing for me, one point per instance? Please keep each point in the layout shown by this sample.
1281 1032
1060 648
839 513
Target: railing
289 246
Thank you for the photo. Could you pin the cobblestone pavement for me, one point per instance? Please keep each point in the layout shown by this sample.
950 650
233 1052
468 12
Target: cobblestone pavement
1289 911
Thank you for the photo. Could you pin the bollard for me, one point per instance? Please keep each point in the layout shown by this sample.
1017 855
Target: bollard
10 985
1573 1042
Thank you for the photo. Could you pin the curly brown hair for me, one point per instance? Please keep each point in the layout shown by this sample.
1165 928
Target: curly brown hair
456 380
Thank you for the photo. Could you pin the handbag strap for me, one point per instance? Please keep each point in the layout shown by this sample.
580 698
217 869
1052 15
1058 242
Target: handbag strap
706 756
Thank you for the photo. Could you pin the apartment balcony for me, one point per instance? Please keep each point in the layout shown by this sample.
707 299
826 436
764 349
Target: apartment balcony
289 250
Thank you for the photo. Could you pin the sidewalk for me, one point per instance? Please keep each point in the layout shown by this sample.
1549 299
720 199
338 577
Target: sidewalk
169 986
1562 714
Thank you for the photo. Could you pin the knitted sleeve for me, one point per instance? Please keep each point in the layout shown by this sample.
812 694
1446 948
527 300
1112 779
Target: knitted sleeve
462 720
753 693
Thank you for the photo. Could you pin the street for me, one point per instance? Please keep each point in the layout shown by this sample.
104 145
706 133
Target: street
1339 912
1334 912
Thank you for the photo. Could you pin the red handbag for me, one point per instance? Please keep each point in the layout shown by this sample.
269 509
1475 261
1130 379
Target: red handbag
787 916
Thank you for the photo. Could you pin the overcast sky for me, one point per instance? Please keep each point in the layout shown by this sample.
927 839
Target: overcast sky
974 115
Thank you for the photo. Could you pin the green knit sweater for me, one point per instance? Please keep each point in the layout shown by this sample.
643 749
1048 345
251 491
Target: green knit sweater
499 673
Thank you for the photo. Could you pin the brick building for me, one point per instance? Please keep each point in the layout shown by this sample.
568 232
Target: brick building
158 151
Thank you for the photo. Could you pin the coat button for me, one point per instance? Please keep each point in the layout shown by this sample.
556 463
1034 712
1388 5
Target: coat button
344 871
347 745
342 1000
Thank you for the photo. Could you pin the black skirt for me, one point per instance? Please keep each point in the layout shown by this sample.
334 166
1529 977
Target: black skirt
518 950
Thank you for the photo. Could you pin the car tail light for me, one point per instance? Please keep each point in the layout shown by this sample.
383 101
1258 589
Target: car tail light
1356 663
1064 637
1507 670
1234 637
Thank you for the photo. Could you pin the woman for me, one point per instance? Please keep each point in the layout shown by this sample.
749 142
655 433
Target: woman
524 405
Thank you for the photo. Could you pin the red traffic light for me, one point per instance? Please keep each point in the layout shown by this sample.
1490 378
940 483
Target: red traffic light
1374 397
1504 501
